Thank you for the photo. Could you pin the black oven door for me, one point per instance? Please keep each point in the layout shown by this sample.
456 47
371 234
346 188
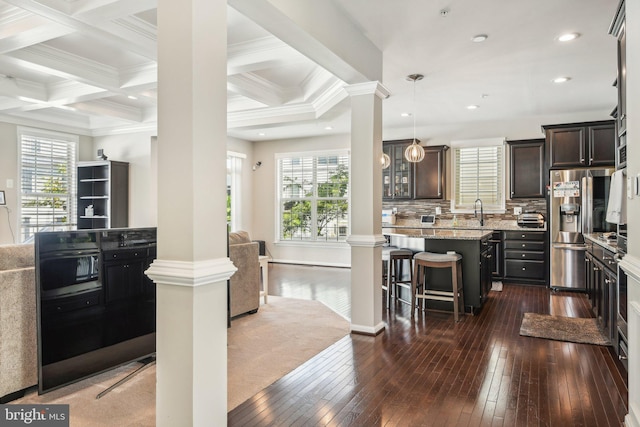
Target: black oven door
66 273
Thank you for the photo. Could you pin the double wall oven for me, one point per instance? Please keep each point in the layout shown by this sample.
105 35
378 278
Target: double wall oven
95 310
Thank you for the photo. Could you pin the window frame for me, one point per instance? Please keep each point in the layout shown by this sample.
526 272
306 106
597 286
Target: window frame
235 165
72 163
500 206
315 240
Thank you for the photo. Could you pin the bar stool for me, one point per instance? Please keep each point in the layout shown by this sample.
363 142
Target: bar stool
394 258
424 260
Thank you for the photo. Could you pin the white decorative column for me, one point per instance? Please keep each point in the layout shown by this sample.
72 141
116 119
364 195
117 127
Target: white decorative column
192 266
366 237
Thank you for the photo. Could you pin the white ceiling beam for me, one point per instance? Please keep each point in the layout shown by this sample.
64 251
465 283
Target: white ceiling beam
111 109
108 10
62 64
256 88
357 61
89 29
260 54
268 116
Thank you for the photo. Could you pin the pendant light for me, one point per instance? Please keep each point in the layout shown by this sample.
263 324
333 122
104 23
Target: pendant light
385 160
414 152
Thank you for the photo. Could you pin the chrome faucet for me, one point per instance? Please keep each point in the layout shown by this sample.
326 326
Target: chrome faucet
475 211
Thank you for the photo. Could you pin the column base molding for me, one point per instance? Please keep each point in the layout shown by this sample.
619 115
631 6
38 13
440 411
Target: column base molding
191 273
367 330
632 420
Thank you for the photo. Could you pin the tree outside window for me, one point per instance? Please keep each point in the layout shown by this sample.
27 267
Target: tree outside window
314 194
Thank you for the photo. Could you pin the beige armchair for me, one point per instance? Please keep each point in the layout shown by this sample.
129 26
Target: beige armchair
18 330
245 283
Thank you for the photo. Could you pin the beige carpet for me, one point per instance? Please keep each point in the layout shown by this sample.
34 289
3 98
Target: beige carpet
572 329
261 348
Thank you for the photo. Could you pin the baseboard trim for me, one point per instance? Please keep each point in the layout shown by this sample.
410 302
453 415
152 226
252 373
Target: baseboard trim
367 330
631 420
309 263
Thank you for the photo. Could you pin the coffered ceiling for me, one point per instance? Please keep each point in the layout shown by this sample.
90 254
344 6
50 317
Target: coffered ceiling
90 66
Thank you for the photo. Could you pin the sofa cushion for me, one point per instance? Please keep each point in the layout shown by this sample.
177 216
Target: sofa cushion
16 256
237 237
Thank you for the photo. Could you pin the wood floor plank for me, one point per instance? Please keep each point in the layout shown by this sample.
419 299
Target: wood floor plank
428 370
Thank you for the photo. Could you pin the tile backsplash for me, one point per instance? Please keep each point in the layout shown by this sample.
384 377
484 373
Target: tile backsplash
412 209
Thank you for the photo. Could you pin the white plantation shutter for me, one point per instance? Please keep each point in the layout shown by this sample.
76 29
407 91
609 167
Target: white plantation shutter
47 182
479 174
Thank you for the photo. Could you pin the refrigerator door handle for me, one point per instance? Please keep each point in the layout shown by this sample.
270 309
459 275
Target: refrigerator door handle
569 247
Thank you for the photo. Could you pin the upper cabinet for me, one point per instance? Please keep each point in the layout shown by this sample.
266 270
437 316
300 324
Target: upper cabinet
618 30
581 144
397 179
406 180
430 174
526 168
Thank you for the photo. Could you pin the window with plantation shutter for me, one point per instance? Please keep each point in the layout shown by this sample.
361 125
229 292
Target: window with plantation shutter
47 181
313 197
478 174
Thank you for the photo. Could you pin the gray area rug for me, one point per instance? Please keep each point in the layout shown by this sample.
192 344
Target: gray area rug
571 329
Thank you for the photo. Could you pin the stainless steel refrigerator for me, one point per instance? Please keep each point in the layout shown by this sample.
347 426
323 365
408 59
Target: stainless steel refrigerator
577 206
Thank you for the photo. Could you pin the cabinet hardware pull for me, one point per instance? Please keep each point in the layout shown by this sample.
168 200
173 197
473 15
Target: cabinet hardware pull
524 268
621 357
523 255
524 246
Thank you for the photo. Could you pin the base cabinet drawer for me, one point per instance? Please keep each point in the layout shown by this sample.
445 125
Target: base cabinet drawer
524 255
524 269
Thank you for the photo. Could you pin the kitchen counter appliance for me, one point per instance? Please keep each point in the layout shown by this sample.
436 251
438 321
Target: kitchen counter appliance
531 220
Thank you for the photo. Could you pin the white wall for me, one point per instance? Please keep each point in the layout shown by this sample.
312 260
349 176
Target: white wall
264 203
135 149
9 215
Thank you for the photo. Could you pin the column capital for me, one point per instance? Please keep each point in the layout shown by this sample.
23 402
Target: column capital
190 273
366 240
368 88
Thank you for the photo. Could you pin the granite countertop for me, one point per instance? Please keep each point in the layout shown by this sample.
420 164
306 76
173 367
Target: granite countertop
491 225
438 233
600 240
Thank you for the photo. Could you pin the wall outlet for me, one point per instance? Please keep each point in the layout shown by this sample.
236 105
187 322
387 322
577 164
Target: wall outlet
438 210
517 211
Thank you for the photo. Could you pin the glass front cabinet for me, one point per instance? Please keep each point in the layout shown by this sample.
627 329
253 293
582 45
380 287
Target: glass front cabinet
397 182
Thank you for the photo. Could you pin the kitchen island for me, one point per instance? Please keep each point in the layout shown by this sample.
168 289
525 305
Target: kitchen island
473 245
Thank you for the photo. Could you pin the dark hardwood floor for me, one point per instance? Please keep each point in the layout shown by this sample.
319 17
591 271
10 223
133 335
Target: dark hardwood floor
431 372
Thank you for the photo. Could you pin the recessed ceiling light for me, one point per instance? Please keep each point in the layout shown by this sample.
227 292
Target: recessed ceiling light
568 37
328 128
261 134
405 114
479 38
561 79
472 107
132 97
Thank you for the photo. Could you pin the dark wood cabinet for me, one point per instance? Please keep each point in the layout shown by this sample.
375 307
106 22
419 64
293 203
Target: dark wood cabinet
498 258
527 175
397 179
602 281
580 144
123 274
429 174
618 30
103 185
525 257
406 180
